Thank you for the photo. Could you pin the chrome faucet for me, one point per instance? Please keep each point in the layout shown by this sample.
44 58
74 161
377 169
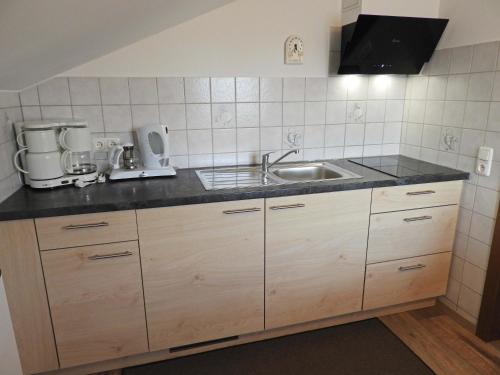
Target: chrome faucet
265 159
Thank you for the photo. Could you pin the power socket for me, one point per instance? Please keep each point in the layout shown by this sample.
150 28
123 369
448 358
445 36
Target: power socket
105 144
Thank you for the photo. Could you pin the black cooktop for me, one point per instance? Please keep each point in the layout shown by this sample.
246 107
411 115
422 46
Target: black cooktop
396 165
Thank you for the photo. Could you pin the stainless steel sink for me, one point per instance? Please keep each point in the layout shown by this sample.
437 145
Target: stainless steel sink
280 174
307 172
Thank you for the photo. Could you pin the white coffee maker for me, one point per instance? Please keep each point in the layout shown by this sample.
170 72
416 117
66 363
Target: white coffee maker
54 153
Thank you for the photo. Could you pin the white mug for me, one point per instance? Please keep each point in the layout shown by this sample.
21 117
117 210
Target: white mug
75 139
38 140
40 166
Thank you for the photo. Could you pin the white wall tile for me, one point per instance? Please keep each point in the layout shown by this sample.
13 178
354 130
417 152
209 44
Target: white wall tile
354 134
486 202
481 228
316 89
247 115
293 137
496 87
478 253
54 92
457 268
29 96
224 140
32 113
178 142
394 110
247 89
293 114
170 90
294 89
457 87
198 116
84 91
377 87
200 161
375 111
431 136
225 159
334 135
356 112
224 115
461 60
417 111
469 301
271 114
357 87
336 112
440 62
145 115
179 161
173 115
56 111
436 89
223 90
374 133
315 113
117 118
434 112
334 152
271 89
337 88
476 115
494 116
248 139
199 141
143 91
454 112
471 141
271 138
392 132
314 136
114 91
396 87
92 114
484 57
481 86
353 151
197 90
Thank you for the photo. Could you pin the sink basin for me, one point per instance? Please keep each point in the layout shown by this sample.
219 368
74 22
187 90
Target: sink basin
311 172
279 174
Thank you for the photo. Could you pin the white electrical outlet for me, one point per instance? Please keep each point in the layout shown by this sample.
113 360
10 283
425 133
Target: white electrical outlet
105 144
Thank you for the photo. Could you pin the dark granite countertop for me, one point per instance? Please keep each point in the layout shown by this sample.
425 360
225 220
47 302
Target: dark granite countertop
186 188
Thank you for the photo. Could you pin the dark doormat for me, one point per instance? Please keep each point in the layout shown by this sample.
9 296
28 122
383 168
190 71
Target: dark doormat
360 348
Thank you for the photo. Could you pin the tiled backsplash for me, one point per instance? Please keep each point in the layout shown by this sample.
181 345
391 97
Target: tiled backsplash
10 111
452 109
224 121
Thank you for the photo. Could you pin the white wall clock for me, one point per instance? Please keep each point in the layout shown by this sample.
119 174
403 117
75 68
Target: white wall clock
294 50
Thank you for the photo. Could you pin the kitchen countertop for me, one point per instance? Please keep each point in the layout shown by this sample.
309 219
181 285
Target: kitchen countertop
186 188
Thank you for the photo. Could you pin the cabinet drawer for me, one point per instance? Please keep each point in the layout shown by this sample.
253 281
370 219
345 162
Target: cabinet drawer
404 234
406 280
88 229
96 302
407 197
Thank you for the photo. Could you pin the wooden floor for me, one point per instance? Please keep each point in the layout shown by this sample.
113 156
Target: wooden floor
445 341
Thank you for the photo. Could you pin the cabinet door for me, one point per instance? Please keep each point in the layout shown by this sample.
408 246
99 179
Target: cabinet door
315 256
96 301
203 268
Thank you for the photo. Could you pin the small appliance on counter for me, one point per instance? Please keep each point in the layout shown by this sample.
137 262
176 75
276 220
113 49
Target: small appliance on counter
154 151
54 153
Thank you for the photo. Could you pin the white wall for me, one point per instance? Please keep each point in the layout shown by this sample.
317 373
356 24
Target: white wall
471 22
242 38
405 8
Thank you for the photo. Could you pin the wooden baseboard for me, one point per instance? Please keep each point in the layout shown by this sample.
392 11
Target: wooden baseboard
253 337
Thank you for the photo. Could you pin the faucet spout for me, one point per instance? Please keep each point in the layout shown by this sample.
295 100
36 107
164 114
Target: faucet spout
265 159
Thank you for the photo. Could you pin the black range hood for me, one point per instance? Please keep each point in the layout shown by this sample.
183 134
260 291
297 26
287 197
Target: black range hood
389 45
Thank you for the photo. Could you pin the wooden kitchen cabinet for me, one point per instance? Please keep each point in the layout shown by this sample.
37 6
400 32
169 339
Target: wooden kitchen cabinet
203 270
96 302
315 256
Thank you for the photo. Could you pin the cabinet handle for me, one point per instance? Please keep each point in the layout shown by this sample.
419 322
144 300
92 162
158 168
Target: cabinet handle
287 206
409 268
423 192
107 256
241 211
418 218
83 226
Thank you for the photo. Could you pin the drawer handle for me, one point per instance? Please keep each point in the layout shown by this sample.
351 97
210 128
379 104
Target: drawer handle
241 211
410 268
83 226
423 192
287 206
107 256
418 218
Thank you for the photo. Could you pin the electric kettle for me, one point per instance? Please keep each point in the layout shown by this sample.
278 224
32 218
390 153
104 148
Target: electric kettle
153 145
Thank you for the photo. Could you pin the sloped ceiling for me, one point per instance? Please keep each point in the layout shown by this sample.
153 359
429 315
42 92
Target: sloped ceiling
42 38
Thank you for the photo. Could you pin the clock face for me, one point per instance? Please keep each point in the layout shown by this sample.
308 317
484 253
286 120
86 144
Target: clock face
294 50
